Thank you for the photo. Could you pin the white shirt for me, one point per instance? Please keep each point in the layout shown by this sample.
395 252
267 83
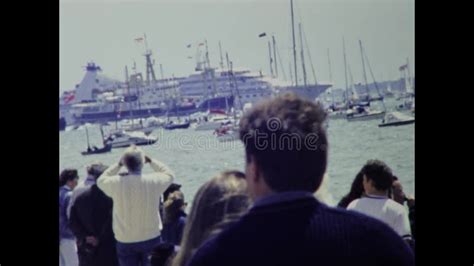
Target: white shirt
385 210
136 200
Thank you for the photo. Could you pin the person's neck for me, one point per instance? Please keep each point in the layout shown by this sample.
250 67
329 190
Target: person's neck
263 194
136 172
376 192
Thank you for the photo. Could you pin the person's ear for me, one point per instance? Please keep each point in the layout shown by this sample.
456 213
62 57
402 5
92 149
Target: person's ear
253 170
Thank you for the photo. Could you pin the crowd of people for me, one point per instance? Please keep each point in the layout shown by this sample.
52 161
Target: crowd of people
273 213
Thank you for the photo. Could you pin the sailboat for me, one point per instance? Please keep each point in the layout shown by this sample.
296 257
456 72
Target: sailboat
362 112
171 125
336 110
397 119
409 95
107 147
389 93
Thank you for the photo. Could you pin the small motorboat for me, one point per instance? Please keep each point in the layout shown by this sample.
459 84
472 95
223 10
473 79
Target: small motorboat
214 122
171 125
363 113
396 119
122 139
95 150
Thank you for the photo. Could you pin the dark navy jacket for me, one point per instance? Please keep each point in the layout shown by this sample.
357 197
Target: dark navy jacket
173 232
299 230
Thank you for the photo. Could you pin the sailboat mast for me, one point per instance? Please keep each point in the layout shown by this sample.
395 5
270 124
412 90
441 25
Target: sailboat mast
274 56
345 66
270 57
363 69
355 95
302 56
375 82
235 84
126 74
410 80
229 79
309 57
330 77
130 104
87 134
294 42
220 53
291 72
329 65
207 55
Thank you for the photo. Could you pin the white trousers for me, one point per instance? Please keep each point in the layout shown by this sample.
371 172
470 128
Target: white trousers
68 252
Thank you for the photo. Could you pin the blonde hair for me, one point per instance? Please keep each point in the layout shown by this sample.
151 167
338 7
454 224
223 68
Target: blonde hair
218 202
323 194
173 204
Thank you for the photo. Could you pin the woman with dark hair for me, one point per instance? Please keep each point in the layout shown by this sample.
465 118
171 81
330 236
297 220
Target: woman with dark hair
357 190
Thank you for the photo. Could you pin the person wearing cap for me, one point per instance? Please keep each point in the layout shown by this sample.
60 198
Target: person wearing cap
91 222
136 219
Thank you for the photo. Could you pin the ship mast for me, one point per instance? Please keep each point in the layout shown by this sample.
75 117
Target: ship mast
302 57
274 56
214 91
345 67
309 57
363 69
294 42
221 63
375 83
330 76
150 72
270 57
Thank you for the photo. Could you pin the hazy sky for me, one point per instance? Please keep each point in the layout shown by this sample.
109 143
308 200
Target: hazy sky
104 32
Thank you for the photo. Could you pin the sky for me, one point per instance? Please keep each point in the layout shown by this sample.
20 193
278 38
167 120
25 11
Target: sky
103 31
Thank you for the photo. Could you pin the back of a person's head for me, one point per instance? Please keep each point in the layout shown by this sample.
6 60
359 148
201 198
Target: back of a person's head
220 200
172 206
172 188
66 175
285 136
96 169
380 174
357 189
133 158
